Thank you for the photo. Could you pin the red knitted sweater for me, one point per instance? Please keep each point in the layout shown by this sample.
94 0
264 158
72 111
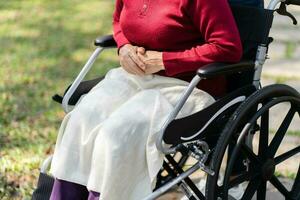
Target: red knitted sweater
190 33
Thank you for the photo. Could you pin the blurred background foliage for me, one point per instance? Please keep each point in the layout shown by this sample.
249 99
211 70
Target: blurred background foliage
44 44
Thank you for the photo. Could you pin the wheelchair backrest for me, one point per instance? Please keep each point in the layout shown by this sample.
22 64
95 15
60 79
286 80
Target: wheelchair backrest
254 3
254 25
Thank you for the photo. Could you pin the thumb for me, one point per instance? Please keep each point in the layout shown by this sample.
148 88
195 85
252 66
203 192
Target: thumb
141 50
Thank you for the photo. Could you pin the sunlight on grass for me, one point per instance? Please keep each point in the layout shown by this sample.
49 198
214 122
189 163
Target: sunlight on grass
8 15
44 45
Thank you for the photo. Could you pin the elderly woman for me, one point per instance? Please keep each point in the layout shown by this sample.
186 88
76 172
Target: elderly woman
106 145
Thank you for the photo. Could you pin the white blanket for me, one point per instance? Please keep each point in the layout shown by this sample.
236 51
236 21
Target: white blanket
107 142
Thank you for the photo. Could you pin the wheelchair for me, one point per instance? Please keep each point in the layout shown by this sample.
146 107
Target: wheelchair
220 137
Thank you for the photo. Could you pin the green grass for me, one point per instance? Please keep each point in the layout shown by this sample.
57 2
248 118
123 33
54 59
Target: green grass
294 133
289 132
43 46
286 174
290 50
281 79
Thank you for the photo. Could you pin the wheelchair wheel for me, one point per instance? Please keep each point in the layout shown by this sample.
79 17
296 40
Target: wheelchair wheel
252 119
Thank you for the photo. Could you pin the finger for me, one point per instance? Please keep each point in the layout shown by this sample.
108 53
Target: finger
141 50
148 71
126 65
135 68
124 50
142 57
130 66
151 69
137 60
128 70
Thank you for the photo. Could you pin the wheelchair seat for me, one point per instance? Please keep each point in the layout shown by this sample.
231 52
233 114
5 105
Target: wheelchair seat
208 122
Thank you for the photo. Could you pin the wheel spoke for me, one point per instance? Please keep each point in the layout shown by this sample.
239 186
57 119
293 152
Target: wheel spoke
280 187
250 154
262 149
187 180
295 192
286 155
251 188
261 191
245 176
183 160
264 134
280 133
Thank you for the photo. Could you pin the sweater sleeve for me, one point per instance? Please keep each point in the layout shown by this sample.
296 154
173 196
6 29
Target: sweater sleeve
217 27
118 34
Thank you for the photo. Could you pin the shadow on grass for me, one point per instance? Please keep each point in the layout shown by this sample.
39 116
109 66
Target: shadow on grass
41 70
45 46
8 189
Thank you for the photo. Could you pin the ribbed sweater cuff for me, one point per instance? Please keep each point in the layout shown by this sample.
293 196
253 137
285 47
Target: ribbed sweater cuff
171 64
121 41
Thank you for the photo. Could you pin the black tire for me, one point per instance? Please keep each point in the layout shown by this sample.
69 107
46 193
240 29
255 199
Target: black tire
261 167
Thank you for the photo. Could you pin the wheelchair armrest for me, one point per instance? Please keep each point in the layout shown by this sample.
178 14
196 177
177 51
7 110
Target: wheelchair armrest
216 69
83 88
105 41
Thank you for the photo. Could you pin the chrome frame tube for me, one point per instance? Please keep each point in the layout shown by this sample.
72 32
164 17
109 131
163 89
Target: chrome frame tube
79 78
183 98
173 182
45 165
261 54
86 68
272 5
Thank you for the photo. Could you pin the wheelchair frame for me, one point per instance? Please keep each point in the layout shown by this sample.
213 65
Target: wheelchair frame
201 153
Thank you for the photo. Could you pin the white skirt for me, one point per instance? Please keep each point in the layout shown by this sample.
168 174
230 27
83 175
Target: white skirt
107 142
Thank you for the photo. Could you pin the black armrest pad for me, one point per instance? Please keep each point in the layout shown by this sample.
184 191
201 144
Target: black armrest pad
83 88
216 69
105 41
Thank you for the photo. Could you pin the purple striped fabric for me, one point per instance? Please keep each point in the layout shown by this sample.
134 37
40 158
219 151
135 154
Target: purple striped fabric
64 190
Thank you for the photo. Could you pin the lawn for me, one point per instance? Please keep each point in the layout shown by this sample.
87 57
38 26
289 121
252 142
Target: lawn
43 46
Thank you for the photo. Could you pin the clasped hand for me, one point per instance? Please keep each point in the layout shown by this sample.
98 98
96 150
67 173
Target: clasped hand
136 60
